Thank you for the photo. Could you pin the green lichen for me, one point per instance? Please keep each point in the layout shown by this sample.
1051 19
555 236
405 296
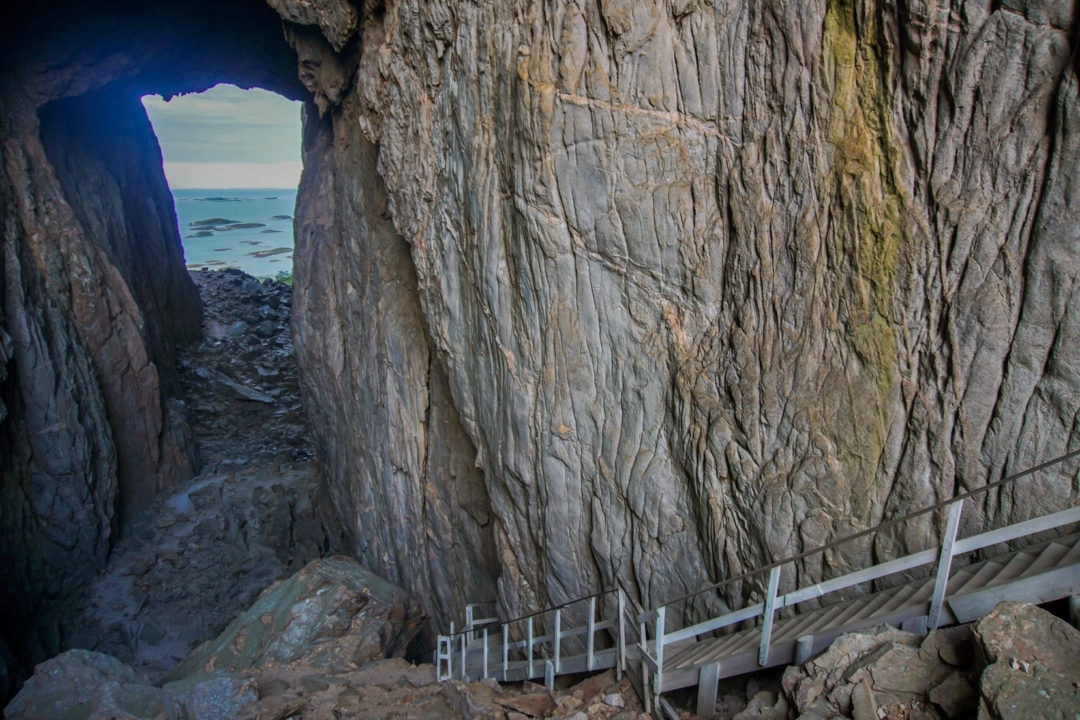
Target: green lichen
867 209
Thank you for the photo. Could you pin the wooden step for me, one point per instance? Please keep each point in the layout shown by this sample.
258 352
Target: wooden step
957 579
692 655
1047 559
901 597
1013 569
1073 556
985 573
806 622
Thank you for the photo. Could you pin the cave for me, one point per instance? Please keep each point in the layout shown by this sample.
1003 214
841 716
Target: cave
586 295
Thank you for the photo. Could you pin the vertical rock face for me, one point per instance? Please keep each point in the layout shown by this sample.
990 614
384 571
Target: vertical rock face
711 282
405 479
86 369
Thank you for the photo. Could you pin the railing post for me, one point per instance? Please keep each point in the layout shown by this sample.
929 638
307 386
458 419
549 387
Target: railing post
464 659
661 614
620 661
450 653
506 650
767 617
440 656
468 618
944 565
558 640
529 645
485 639
589 646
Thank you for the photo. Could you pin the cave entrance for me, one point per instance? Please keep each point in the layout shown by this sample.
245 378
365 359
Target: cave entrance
232 160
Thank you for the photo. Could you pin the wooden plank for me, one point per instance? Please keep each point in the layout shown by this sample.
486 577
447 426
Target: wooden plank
908 562
505 650
944 564
1019 530
770 609
590 639
1036 589
485 639
715 624
621 639
708 683
558 638
529 644
804 647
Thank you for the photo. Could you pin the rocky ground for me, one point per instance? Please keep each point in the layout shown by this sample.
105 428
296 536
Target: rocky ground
240 383
200 555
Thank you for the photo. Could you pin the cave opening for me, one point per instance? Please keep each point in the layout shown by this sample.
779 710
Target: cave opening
201 487
231 157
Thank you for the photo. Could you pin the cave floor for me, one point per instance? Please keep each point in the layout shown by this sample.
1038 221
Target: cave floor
199 555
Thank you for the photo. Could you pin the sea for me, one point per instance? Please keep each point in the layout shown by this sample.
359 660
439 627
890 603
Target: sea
250 229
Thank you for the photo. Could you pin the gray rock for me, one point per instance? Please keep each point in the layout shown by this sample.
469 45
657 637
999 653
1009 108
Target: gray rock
217 695
1024 632
765 705
237 329
806 308
1032 669
85 685
955 696
331 614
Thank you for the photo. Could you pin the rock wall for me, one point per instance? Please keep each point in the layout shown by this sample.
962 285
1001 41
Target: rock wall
712 282
94 296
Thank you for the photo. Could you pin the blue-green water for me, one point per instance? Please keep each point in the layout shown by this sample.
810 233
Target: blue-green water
247 229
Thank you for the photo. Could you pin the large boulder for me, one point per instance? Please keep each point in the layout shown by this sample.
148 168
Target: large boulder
1032 664
332 614
85 685
885 673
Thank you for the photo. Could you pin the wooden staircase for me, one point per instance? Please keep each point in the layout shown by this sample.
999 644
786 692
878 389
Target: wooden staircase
1036 574
603 631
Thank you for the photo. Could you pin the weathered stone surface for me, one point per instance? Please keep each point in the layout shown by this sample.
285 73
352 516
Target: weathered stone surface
708 283
1010 690
180 576
862 674
216 695
1021 631
331 614
1032 667
955 696
84 685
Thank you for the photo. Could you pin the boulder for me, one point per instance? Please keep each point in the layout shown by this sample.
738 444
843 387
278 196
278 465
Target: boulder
216 695
886 673
825 683
332 614
86 685
1028 634
1032 664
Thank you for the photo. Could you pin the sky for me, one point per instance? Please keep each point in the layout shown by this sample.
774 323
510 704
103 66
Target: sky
228 138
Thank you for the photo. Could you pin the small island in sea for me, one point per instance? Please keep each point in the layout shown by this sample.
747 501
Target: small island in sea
214 239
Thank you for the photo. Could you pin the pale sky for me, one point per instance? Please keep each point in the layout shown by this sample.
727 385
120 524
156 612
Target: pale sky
228 138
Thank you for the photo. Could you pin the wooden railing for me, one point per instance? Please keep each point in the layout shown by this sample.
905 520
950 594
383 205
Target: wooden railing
466 654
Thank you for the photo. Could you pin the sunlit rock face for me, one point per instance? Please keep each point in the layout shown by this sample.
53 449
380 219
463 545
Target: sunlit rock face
640 292
706 283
